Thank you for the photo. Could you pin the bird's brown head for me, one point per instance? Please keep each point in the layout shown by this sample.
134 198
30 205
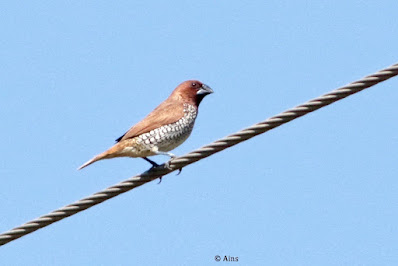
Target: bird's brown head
191 91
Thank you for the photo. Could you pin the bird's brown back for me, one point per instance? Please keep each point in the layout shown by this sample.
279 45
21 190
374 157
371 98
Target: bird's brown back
169 111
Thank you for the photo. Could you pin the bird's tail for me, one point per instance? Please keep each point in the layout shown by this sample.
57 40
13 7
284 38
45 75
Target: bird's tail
104 155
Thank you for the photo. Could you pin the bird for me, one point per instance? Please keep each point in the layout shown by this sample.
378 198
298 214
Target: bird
162 130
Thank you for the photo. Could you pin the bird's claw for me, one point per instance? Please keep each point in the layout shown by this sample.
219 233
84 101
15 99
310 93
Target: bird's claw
154 165
167 165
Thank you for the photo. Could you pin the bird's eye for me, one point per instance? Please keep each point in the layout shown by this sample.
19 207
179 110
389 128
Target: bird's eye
193 84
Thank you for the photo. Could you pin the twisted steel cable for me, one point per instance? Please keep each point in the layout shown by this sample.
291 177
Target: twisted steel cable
205 151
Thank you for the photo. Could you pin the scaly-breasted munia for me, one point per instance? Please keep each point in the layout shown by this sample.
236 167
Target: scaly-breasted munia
165 128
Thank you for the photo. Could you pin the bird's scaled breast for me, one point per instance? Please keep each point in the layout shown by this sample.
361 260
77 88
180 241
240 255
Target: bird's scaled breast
168 137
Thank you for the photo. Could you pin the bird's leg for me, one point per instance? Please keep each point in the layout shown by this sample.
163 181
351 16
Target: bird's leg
165 153
153 165
172 156
150 161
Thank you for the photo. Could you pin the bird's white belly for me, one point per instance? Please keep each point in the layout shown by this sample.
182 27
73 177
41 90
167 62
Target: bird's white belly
168 137
173 142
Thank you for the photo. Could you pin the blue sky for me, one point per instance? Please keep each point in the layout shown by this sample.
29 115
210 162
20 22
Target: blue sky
321 190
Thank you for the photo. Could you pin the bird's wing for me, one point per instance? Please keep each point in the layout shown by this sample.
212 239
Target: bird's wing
166 113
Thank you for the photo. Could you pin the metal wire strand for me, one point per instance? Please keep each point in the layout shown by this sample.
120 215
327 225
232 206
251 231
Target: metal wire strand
196 155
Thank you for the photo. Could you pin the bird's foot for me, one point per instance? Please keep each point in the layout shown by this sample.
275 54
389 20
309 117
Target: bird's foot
167 165
153 166
172 157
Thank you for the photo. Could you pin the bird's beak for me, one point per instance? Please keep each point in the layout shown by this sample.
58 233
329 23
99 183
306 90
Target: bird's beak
204 90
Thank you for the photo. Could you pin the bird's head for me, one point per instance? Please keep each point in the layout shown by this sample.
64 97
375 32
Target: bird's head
191 91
